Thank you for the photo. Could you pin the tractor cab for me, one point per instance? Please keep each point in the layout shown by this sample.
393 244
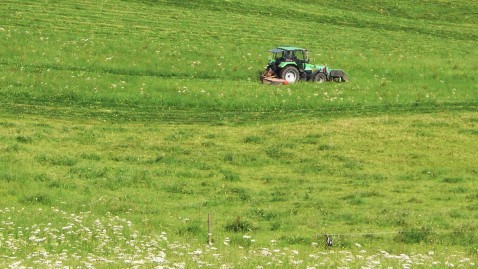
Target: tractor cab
284 55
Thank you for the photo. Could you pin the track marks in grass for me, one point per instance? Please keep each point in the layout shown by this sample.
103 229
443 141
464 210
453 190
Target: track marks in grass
304 11
468 131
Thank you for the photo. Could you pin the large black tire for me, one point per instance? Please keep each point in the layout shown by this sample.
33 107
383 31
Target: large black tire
290 73
319 78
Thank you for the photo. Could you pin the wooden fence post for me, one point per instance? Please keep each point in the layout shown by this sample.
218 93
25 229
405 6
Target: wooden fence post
209 231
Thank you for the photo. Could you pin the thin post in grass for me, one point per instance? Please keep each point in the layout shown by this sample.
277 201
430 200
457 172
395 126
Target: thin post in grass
209 232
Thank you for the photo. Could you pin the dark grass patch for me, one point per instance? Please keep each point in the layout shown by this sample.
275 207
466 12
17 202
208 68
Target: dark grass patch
416 235
24 139
240 240
180 135
193 229
280 153
229 175
179 188
239 225
90 171
238 193
347 162
312 139
41 177
325 147
264 214
465 234
415 200
208 144
468 131
354 199
253 139
10 174
297 240
56 160
7 124
279 195
13 148
90 156
453 180
38 198
459 189
310 166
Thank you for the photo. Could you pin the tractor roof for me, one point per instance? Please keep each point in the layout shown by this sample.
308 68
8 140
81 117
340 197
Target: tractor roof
280 49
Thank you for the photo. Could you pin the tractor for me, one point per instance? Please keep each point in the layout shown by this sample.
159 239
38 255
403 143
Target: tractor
291 64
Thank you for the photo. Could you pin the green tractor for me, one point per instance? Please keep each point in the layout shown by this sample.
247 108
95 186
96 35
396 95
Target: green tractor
291 64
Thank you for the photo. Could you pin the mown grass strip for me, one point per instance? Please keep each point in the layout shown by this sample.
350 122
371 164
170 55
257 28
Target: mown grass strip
214 116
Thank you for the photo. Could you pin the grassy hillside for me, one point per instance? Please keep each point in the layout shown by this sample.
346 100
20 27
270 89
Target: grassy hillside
206 54
123 124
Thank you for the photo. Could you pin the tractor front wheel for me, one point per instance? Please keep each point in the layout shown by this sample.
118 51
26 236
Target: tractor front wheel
291 74
319 78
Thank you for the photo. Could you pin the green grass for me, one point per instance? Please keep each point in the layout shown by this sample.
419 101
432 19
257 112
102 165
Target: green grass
123 124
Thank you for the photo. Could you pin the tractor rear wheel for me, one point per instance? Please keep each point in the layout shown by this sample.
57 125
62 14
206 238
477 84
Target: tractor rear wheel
290 73
319 78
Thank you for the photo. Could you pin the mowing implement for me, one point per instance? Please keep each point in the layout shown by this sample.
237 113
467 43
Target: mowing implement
291 64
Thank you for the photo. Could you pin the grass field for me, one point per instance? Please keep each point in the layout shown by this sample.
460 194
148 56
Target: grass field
124 124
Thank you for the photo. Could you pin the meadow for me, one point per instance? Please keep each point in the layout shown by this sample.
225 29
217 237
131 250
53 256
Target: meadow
124 124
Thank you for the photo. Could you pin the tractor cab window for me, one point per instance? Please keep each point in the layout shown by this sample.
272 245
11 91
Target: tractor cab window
299 56
283 56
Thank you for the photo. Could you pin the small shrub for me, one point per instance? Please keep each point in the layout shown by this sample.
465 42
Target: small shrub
239 225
